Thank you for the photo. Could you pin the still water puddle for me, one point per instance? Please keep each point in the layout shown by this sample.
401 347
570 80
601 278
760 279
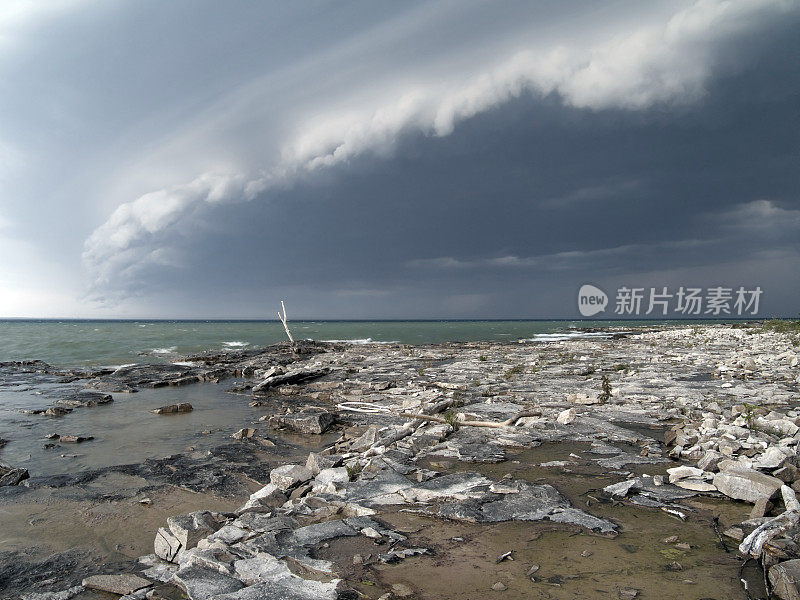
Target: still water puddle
568 563
124 431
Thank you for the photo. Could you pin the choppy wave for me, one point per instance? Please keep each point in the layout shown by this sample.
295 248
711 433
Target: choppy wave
235 344
167 350
360 341
572 335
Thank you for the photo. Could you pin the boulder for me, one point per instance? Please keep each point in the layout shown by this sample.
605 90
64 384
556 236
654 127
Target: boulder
116 584
265 499
166 545
190 529
335 475
779 427
785 579
365 441
317 462
288 476
710 461
746 484
566 417
312 422
787 473
773 458
11 476
182 407
244 433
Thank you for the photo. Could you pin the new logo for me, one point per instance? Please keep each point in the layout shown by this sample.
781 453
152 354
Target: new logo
591 300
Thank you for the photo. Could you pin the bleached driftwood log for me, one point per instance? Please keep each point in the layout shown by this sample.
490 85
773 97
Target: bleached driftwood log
426 414
282 317
754 543
498 425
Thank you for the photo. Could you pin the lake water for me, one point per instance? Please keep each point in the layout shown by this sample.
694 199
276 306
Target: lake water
80 342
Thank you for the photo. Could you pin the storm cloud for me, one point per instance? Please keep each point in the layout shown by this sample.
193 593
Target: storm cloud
395 161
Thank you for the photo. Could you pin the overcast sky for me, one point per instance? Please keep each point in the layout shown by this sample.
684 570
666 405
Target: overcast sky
393 159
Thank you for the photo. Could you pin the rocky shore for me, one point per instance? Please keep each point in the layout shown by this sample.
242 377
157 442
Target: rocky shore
430 446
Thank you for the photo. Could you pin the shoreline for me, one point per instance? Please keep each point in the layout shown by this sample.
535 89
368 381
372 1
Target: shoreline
695 377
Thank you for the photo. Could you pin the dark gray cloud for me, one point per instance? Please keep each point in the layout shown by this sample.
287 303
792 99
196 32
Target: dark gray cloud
655 151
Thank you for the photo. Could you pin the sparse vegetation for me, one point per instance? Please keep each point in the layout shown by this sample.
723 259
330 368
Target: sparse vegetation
781 325
514 371
353 470
452 419
605 389
750 414
482 358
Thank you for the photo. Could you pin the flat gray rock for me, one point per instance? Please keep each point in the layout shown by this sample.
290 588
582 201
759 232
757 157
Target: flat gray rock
747 485
312 422
285 589
205 584
116 584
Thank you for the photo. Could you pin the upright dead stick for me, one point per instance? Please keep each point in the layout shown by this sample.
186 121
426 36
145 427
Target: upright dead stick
282 317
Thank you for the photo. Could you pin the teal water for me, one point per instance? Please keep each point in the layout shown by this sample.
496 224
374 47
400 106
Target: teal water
72 343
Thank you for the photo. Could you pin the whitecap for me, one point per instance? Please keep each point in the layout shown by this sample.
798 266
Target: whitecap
572 335
235 344
168 350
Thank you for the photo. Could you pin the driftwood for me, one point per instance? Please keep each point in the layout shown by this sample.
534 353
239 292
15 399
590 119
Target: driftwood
498 425
409 427
754 543
426 414
282 317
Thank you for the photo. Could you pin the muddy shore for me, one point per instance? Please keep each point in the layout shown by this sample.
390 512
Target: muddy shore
540 470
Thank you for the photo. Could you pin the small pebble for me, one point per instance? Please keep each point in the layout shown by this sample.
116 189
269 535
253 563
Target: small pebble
499 587
628 593
586 553
670 540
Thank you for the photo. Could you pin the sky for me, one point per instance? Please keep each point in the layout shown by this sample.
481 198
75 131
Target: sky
381 159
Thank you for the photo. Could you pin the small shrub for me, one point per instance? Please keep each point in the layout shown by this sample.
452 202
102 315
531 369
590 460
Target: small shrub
452 419
750 415
514 371
605 389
